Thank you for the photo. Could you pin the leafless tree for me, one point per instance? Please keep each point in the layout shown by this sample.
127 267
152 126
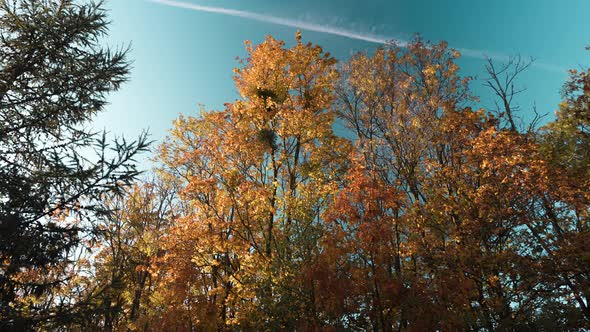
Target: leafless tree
502 80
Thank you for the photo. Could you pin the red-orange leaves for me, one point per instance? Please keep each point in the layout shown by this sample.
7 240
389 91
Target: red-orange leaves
359 269
434 219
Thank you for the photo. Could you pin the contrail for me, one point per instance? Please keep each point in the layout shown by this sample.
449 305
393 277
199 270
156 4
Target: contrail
281 21
471 53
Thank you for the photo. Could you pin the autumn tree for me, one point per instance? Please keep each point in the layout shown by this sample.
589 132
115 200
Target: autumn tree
258 176
564 208
475 216
397 102
125 277
54 77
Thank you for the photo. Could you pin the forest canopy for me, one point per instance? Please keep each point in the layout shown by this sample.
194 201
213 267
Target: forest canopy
428 214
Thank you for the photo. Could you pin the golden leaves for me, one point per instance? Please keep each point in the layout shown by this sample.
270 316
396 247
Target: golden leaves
256 176
434 211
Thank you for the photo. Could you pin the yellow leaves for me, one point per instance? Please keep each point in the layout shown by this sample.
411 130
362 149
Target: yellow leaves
298 36
430 71
256 177
277 207
416 122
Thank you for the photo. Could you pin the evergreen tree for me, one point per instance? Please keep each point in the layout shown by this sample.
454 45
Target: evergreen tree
54 77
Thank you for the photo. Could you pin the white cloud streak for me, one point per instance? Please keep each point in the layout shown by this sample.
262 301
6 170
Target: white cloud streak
281 21
336 31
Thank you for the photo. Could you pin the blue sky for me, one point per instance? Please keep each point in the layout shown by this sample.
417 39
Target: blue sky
184 57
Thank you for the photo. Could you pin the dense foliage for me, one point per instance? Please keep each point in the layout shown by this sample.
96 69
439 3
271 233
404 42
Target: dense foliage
426 214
